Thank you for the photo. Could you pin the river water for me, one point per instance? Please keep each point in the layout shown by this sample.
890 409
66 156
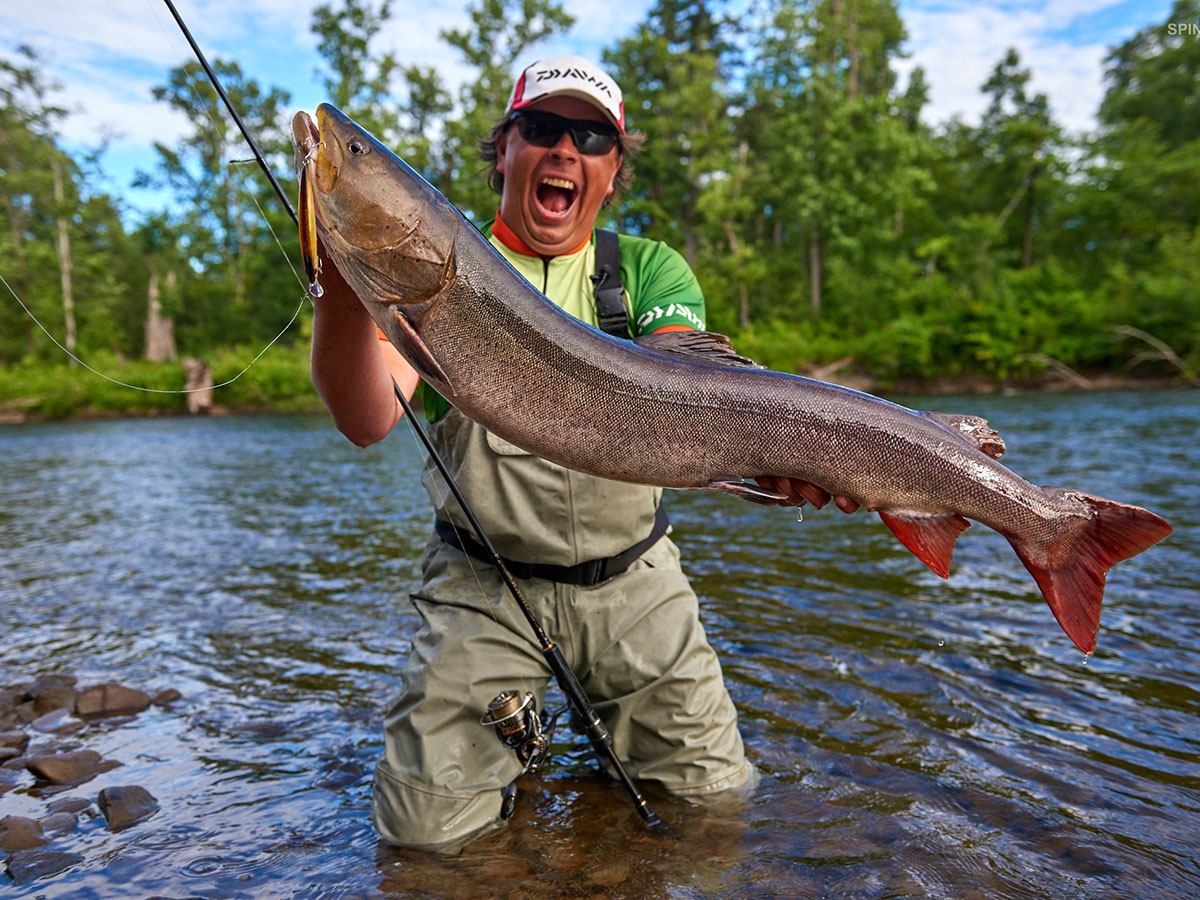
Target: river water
916 738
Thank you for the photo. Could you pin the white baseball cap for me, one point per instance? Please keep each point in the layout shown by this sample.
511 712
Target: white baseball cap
571 76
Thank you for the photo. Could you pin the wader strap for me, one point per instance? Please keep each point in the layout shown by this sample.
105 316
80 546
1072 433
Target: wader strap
586 574
611 313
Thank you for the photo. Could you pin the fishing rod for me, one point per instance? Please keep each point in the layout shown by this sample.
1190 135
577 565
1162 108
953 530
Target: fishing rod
516 722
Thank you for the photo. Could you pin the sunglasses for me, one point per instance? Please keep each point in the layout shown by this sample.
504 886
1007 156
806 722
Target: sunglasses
546 129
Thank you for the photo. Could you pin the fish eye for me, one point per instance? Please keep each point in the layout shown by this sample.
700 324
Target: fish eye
358 148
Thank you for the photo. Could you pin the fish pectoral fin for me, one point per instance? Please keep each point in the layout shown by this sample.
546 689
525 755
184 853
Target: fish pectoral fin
974 429
747 490
410 345
703 346
930 536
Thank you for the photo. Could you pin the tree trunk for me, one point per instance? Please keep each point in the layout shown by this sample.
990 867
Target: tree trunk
1027 237
160 329
816 252
16 226
852 51
64 259
743 296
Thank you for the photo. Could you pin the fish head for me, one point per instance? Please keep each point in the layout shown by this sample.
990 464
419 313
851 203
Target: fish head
390 234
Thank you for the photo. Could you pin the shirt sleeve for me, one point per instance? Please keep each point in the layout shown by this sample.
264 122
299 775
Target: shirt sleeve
662 288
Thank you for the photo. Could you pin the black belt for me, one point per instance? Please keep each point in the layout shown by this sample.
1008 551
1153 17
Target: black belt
593 571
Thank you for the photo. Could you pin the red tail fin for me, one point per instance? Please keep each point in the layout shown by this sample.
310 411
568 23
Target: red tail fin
1071 574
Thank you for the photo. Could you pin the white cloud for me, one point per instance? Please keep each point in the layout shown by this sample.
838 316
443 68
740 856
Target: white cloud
959 43
109 55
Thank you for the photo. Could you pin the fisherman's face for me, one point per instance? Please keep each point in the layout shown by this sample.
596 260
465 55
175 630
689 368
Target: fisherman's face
552 194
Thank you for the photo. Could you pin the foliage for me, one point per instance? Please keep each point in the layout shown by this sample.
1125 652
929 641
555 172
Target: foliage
826 219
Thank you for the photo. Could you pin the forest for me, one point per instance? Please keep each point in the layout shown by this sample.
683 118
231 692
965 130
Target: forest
833 228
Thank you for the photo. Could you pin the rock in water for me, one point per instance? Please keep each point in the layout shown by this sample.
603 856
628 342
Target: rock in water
20 833
68 805
58 721
17 739
62 768
25 866
124 806
51 697
110 700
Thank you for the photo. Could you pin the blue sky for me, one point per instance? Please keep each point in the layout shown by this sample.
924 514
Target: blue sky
108 56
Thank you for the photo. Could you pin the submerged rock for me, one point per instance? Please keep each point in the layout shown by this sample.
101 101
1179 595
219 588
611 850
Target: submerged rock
59 721
58 823
25 866
110 699
20 833
17 739
124 806
62 768
162 698
47 698
68 805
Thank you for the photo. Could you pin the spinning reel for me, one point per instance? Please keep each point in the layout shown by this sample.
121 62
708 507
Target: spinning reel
521 730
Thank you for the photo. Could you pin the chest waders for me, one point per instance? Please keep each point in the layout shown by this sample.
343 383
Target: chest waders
515 718
596 732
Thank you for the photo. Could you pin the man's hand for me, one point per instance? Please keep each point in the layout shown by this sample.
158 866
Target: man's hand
801 492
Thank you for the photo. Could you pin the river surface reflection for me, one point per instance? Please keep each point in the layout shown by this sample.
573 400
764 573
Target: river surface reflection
917 738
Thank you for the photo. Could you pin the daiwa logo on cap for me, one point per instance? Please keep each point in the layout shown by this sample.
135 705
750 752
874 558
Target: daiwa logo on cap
557 74
571 76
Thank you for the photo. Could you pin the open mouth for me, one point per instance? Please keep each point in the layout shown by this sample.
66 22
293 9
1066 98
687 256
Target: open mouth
556 195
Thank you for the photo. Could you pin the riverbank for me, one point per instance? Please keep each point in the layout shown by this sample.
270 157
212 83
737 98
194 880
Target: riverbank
279 382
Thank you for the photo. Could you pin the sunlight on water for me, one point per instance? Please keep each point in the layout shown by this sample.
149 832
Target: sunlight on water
916 737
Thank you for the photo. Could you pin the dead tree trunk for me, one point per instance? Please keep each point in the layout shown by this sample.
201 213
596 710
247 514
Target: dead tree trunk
160 329
64 258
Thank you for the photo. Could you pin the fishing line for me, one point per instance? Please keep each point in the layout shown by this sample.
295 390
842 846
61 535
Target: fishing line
257 158
278 243
591 723
138 387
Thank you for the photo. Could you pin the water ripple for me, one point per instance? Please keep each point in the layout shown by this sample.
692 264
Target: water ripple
916 737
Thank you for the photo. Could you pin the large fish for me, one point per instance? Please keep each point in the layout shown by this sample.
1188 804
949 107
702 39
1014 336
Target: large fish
678 410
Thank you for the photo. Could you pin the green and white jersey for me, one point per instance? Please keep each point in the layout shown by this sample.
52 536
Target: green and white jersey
660 288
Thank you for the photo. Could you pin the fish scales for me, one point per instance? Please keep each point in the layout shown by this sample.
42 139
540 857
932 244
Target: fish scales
672 412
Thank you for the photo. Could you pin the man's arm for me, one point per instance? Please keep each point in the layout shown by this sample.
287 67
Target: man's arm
352 369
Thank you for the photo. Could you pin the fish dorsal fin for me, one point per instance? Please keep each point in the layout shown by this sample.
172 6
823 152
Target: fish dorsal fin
703 346
974 429
929 536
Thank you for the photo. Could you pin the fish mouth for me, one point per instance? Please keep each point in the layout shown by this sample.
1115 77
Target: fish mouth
555 196
306 138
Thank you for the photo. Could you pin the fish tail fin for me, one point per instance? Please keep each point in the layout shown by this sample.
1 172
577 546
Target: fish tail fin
929 536
1071 568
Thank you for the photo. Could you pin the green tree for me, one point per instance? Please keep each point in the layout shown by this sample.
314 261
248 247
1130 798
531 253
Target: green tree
841 160
499 41
40 189
401 105
673 73
1017 140
230 210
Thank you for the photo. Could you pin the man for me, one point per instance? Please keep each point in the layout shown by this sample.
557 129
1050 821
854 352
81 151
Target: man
634 638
